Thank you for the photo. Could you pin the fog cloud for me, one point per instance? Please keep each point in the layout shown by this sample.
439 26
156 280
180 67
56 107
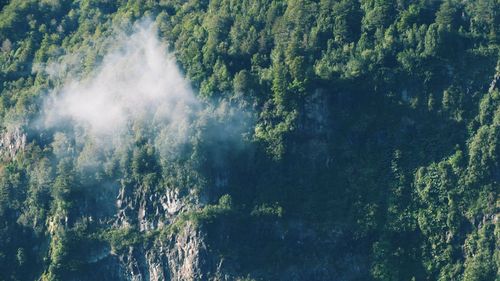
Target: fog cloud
137 81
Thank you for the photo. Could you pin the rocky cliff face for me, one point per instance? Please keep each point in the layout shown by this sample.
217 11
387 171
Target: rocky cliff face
192 251
12 141
179 255
182 256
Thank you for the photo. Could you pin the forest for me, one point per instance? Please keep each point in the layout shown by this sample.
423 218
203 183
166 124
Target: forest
250 140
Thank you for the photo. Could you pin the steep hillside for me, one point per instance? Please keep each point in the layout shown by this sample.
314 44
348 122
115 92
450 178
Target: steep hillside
249 140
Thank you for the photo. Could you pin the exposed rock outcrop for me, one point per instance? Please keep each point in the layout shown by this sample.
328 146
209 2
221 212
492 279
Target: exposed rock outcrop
177 255
495 83
12 141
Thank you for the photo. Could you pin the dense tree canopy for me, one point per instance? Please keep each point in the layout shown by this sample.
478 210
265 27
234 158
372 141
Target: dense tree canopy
377 119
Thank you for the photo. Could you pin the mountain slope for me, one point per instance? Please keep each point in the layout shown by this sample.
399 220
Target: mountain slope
249 140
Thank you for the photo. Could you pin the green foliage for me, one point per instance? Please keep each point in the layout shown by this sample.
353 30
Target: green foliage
207 215
122 238
480 248
70 250
373 119
273 210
